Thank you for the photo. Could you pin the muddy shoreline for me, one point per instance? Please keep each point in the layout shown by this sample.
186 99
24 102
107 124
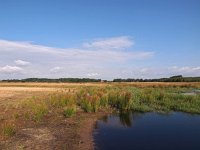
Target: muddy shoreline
64 133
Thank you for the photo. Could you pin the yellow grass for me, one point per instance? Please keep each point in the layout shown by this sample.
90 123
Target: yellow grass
54 85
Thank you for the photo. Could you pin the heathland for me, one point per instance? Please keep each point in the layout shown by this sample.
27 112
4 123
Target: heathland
62 115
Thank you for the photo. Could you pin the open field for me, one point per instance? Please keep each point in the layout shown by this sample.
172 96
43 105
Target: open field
64 85
62 115
50 85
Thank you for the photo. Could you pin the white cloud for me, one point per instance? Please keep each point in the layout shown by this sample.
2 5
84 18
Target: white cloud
110 43
10 69
196 68
105 58
185 70
56 69
157 72
70 62
92 74
106 50
21 62
10 46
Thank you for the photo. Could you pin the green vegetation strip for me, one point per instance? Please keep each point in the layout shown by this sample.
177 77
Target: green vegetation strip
139 99
94 99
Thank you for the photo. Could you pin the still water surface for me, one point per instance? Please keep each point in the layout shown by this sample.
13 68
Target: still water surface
148 131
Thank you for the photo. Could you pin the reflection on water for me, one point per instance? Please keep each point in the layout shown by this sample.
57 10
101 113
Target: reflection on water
125 119
145 131
104 119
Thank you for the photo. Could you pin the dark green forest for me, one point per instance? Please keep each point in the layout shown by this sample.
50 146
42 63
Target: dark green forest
178 78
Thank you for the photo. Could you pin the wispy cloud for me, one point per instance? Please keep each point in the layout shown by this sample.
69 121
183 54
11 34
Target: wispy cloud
110 43
92 74
22 62
99 50
10 69
56 69
99 54
158 72
187 70
105 58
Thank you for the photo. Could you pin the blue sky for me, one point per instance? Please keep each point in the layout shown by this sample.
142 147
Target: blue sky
99 38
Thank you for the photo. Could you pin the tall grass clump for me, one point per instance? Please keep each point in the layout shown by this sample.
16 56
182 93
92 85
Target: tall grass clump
8 129
91 99
90 103
39 111
69 111
36 110
185 103
104 101
120 99
61 99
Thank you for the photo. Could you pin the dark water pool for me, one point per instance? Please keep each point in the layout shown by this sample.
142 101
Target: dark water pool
148 131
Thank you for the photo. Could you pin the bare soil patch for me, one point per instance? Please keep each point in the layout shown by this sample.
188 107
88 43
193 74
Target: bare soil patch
53 132
56 133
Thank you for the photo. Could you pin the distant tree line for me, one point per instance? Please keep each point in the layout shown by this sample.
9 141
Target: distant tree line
75 80
178 78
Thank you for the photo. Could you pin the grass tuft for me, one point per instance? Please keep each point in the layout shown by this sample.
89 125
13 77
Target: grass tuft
69 112
8 129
